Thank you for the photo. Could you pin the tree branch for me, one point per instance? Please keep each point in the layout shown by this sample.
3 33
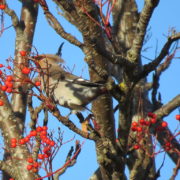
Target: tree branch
68 123
12 14
162 135
168 108
114 58
147 68
143 22
55 24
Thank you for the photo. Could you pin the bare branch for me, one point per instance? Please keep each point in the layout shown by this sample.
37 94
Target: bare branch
55 24
176 169
168 108
147 68
162 135
33 111
144 19
70 159
12 14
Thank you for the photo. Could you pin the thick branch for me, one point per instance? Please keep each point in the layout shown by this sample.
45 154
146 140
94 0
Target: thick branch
168 108
114 58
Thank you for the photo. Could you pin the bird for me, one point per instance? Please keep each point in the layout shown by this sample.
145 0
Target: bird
65 88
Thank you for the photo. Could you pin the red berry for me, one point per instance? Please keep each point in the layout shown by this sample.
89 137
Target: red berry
147 123
40 156
1 65
153 120
39 129
168 144
29 167
14 140
136 146
46 149
164 124
9 90
43 138
35 170
47 141
8 67
152 115
22 141
2 6
47 155
52 143
11 179
134 123
9 78
139 129
9 84
133 128
13 144
35 164
142 121
3 88
23 53
26 70
1 72
33 133
37 83
26 139
30 160
45 128
43 133
1 102
178 117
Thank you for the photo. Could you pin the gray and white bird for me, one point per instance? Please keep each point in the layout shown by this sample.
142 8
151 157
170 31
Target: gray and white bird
65 88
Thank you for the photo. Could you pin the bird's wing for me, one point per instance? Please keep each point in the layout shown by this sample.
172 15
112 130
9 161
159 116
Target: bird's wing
77 80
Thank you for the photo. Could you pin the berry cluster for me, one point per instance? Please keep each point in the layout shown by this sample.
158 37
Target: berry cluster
40 132
142 123
7 80
141 127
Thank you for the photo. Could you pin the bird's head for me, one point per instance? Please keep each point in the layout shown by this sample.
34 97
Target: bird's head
48 60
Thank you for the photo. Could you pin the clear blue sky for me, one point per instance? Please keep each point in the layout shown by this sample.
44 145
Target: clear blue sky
46 40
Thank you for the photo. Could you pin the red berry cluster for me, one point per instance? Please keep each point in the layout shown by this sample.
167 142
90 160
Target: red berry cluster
142 126
46 150
168 146
7 81
33 165
40 131
138 126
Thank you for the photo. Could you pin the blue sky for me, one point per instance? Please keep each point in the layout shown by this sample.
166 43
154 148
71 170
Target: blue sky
166 16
